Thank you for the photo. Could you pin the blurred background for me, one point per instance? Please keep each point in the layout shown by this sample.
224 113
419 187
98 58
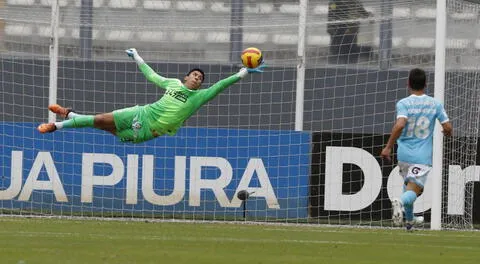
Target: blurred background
201 30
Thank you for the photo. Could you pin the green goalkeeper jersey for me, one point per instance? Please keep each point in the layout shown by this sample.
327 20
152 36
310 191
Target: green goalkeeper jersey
167 115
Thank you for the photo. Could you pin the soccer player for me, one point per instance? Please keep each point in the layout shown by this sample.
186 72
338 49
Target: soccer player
141 123
416 116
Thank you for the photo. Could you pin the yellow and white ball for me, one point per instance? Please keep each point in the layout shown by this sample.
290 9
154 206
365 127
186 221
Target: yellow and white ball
251 57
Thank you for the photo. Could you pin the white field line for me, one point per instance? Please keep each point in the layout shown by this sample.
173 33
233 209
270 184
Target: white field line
219 239
272 226
417 232
177 238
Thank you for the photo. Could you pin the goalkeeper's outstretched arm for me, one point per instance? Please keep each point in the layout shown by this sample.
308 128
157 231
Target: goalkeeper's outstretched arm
218 87
149 73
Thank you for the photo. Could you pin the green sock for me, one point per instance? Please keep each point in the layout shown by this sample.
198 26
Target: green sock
79 121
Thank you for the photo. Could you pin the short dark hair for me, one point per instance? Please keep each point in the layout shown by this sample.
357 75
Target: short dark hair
417 79
199 70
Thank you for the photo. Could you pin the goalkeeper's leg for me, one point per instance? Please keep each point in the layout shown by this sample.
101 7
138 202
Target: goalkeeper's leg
100 121
64 112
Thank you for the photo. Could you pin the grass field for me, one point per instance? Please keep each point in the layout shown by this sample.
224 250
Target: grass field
40 240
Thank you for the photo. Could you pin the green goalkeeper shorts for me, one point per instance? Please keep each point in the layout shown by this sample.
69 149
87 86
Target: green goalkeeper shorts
131 124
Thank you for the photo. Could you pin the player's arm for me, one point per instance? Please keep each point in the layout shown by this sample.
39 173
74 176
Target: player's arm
218 87
442 116
396 132
447 129
149 73
400 123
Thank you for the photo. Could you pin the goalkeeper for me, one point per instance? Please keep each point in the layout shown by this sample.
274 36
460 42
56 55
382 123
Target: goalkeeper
141 123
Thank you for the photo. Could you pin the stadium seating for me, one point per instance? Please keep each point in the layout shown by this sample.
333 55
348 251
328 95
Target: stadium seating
120 35
426 13
319 41
96 3
186 36
20 2
285 39
220 7
255 38
46 31
477 44
18 30
152 36
115 22
224 37
61 3
190 5
401 12
157 5
96 34
218 37
464 16
321 10
397 42
123 4
459 44
421 43
289 9
259 8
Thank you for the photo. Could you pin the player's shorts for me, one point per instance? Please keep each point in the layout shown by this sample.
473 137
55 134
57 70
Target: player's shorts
416 173
131 125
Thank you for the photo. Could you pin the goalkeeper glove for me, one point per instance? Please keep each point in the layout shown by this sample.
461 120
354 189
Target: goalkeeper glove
259 69
244 71
132 53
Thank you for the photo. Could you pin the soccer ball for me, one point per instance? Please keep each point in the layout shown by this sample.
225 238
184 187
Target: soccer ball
251 57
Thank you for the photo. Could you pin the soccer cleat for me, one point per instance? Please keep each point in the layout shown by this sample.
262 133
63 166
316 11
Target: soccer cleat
60 110
417 220
409 225
397 212
46 128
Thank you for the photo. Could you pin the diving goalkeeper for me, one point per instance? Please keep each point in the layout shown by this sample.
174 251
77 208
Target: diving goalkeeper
141 123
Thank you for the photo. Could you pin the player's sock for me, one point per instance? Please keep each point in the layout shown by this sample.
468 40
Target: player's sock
78 121
72 115
408 198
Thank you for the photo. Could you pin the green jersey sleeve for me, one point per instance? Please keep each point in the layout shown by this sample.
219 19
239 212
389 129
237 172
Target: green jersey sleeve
178 103
210 93
155 78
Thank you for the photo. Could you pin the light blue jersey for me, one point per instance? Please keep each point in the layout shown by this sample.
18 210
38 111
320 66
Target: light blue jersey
415 145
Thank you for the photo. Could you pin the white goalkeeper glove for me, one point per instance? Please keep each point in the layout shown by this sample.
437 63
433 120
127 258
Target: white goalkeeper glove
132 53
244 71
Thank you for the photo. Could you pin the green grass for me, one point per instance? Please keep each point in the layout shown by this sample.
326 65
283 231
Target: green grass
40 240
